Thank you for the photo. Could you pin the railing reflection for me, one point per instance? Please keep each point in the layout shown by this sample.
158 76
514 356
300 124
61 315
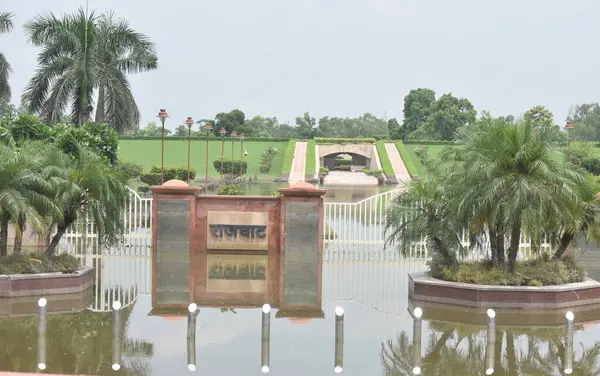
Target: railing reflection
41 333
265 339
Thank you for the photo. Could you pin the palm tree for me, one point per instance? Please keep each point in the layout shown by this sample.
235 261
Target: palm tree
6 25
24 190
86 186
511 177
83 54
422 212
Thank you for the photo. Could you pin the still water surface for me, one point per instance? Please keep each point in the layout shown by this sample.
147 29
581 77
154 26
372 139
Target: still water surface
378 332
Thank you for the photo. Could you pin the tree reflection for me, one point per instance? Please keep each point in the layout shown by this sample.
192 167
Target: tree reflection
77 343
451 349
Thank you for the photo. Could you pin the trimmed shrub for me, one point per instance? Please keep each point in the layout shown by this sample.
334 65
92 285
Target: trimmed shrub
266 160
130 169
343 141
174 172
231 168
230 190
343 162
323 171
150 178
373 172
427 142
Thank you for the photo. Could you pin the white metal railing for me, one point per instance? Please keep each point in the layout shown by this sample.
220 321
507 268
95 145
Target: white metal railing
353 232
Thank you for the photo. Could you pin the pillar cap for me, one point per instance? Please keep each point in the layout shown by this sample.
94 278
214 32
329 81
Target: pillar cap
174 186
302 188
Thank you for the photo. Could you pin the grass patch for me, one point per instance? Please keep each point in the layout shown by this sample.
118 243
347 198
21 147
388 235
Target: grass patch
408 159
35 263
288 157
531 273
386 164
310 158
147 153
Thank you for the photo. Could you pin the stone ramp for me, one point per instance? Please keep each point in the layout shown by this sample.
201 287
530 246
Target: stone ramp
400 170
299 162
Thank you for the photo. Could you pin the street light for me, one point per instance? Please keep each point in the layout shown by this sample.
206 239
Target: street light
233 136
189 123
222 132
569 126
241 153
162 115
207 128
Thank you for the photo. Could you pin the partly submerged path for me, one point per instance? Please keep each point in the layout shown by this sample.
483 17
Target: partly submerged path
400 170
297 172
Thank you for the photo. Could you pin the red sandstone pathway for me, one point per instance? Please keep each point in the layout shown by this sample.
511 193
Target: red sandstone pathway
397 163
299 162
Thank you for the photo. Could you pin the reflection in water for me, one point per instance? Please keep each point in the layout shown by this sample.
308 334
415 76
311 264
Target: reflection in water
339 340
265 336
453 349
42 321
193 312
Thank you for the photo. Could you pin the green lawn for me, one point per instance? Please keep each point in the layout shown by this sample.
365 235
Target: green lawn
386 164
434 150
288 157
310 158
147 153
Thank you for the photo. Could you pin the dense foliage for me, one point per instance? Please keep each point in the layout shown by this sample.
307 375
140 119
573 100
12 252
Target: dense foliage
500 181
230 190
48 189
234 169
153 177
266 160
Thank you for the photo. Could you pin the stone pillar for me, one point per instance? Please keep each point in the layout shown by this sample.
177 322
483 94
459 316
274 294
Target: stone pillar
174 216
301 252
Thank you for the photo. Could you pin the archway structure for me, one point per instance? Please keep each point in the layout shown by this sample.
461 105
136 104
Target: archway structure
364 156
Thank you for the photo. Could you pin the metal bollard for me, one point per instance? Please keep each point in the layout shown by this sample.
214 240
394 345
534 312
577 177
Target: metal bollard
339 340
116 335
265 339
42 321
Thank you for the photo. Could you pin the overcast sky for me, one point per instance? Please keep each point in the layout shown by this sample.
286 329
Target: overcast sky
345 57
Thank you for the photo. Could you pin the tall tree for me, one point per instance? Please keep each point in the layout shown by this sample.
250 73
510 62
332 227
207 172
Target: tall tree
306 126
447 115
83 54
539 116
417 107
6 25
232 121
586 120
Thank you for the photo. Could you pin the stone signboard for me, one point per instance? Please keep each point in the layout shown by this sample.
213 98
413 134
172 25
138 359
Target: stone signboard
301 254
173 251
247 231
236 273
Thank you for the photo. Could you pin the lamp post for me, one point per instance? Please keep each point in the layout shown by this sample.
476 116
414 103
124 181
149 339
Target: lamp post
233 136
207 128
189 123
568 127
162 115
222 132
241 154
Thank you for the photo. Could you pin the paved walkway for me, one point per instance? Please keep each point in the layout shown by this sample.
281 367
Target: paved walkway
349 178
397 163
299 163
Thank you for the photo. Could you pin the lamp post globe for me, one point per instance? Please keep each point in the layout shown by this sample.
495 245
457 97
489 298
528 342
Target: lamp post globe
162 115
189 122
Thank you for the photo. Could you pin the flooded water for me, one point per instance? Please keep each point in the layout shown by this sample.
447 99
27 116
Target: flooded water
380 335
335 193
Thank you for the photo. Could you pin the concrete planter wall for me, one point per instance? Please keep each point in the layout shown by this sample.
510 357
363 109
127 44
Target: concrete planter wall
46 283
425 288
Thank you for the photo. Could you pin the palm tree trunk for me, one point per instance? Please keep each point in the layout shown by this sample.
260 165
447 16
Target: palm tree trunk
100 106
511 355
498 352
449 259
564 242
513 249
4 236
60 231
434 355
493 246
19 235
500 245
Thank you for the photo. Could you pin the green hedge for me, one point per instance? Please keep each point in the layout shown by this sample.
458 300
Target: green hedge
171 172
323 171
343 141
214 138
386 164
373 172
412 169
310 158
230 190
288 157
426 142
